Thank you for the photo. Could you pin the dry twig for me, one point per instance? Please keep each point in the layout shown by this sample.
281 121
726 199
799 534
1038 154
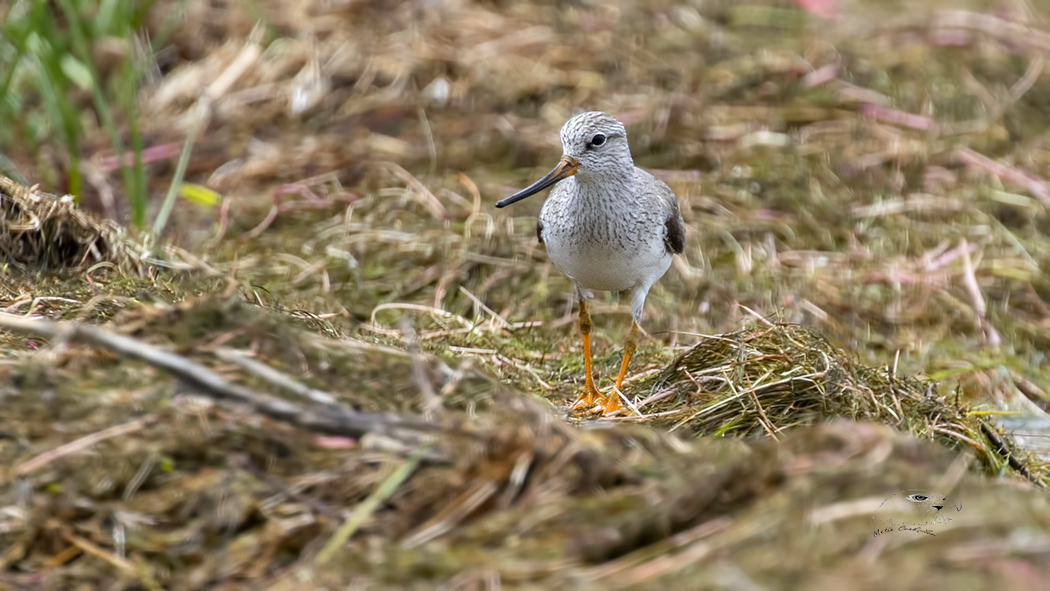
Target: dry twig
334 419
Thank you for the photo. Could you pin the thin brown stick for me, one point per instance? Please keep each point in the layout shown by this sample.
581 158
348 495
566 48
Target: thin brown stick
83 443
1003 450
979 307
431 401
1000 29
1033 185
332 419
272 376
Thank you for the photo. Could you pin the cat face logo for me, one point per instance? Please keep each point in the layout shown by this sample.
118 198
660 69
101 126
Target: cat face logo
914 509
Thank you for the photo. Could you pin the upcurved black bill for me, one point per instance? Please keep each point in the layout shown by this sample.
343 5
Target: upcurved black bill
566 168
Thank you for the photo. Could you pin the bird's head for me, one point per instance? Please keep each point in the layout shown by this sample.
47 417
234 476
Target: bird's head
594 146
597 143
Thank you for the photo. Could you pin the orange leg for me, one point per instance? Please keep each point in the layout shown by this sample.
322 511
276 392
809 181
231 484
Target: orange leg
630 344
590 394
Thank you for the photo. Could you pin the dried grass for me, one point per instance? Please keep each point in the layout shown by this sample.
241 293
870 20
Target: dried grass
38 231
872 184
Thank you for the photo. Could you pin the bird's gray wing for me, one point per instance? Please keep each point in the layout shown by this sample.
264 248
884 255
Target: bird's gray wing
674 239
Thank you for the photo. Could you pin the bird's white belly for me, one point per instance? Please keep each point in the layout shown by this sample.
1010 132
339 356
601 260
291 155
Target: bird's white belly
602 268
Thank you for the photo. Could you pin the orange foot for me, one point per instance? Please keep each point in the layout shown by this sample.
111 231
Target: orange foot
591 402
587 399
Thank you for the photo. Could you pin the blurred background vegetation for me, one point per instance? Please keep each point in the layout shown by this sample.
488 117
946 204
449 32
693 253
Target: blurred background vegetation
873 168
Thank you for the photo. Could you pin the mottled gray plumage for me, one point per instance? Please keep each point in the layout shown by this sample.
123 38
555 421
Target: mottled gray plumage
612 226
609 226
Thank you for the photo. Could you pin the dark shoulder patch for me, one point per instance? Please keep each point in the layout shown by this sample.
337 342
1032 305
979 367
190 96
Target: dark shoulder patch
675 238
539 230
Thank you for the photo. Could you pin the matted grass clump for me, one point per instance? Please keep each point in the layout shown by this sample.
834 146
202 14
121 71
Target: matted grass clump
41 232
333 463
767 379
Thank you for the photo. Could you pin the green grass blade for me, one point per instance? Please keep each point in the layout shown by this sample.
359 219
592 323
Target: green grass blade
136 194
369 506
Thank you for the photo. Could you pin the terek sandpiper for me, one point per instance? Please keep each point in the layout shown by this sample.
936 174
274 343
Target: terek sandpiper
609 226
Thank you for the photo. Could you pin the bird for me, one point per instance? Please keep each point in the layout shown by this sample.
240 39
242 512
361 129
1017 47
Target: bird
607 225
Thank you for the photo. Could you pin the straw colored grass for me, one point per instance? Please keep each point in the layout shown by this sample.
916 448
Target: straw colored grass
861 296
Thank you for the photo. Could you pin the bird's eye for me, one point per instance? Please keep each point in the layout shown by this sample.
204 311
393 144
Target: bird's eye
919 498
598 139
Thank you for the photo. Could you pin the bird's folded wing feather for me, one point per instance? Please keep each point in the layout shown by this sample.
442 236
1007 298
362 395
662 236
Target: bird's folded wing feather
674 239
